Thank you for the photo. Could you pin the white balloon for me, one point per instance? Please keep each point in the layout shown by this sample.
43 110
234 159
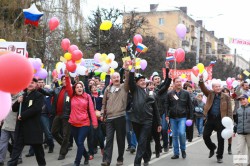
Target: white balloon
194 79
227 133
81 70
227 122
114 65
205 75
73 74
105 67
235 83
111 56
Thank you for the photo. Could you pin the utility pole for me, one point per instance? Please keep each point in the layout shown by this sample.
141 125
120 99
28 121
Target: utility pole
198 44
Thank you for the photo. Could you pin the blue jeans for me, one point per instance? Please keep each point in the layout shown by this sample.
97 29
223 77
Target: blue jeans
164 131
178 127
46 129
131 137
199 125
80 134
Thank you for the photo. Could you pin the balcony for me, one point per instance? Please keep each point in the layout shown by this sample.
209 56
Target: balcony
193 48
185 43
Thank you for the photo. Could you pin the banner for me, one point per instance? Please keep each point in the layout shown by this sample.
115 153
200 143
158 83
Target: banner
239 41
17 47
89 63
188 72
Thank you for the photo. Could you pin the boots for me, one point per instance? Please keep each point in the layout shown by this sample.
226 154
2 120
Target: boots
229 149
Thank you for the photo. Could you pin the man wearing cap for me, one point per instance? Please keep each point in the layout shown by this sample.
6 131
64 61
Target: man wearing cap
242 127
218 106
28 129
143 110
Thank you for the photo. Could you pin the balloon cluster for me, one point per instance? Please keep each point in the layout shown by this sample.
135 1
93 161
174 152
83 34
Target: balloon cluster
38 67
105 61
228 131
16 73
231 83
196 71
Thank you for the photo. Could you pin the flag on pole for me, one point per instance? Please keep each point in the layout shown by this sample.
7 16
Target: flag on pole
141 48
170 58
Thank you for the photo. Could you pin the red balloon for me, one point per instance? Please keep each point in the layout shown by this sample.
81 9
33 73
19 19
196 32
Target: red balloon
16 73
137 39
53 23
65 44
179 55
77 55
195 71
71 66
72 48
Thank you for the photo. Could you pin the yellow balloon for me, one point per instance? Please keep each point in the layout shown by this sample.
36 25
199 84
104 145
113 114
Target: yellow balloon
112 70
2 40
79 61
67 56
200 67
42 65
106 25
183 76
248 99
103 57
137 63
108 61
103 76
57 64
130 67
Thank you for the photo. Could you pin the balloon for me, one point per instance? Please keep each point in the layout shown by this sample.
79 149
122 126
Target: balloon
227 122
201 67
106 25
181 30
144 64
183 76
72 48
103 76
37 64
229 81
5 104
53 23
16 72
97 57
67 56
108 61
105 67
227 133
195 71
73 74
179 55
137 39
2 40
82 62
114 65
235 83
189 122
54 73
77 55
78 61
65 44
111 56
42 74
248 99
205 75
81 70
71 66
111 70
103 57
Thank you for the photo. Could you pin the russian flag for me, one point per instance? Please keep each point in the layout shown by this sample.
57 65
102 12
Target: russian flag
170 58
32 15
141 48
212 63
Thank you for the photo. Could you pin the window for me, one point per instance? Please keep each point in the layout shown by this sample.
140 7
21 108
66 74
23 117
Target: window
161 21
161 36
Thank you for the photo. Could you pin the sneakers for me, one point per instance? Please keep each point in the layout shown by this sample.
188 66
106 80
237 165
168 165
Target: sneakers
105 163
119 163
219 160
128 149
132 150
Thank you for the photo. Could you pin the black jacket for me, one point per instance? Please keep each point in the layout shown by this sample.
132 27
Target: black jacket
180 108
30 124
144 106
66 103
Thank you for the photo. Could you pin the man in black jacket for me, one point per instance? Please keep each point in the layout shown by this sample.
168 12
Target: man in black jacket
178 108
28 127
144 108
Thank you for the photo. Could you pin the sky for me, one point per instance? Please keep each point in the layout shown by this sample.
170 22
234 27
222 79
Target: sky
228 18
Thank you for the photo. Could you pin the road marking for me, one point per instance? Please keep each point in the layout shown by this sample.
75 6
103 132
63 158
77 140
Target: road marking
170 152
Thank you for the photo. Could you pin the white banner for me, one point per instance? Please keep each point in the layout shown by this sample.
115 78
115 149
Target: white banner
17 47
89 63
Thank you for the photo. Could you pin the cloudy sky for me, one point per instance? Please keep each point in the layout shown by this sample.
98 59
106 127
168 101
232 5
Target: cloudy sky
226 18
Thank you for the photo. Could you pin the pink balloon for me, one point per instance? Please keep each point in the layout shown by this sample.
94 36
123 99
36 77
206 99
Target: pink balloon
41 74
143 64
233 79
37 64
77 55
5 104
97 57
65 44
179 55
181 31
137 39
71 66
72 48
53 23
189 122
195 71
54 73
229 81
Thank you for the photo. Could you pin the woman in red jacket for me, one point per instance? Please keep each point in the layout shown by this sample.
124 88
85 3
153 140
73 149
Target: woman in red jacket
82 109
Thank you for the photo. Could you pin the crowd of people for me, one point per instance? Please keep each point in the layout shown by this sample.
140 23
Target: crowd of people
126 104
